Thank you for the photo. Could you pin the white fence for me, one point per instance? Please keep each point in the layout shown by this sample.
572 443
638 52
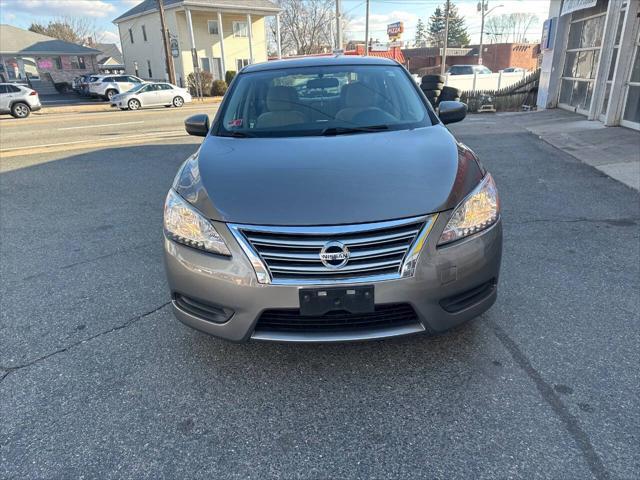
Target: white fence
481 82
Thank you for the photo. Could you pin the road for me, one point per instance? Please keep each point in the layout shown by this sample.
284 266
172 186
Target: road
98 380
62 132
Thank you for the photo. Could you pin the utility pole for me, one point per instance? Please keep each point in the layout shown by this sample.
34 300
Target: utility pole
338 27
165 42
482 8
443 67
366 32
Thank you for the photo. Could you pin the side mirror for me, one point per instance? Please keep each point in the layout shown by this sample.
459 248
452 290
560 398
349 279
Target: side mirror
452 112
197 125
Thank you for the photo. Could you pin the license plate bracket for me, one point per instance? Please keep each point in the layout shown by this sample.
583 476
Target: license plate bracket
318 301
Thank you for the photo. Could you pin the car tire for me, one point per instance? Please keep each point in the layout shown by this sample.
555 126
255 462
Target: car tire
431 85
110 93
20 110
450 94
178 102
434 79
134 104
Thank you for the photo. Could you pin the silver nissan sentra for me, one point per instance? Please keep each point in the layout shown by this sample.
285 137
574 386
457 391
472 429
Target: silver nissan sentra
326 203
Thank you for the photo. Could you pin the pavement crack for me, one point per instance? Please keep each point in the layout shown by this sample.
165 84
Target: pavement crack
5 371
555 402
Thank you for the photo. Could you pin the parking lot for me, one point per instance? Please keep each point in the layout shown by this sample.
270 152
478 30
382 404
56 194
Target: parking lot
98 380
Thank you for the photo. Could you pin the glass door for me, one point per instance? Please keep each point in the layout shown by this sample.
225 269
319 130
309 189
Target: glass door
581 59
631 113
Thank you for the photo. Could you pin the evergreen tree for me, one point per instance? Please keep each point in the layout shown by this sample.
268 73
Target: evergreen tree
458 36
435 28
421 35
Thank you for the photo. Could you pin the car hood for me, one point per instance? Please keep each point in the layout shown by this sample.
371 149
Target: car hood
343 179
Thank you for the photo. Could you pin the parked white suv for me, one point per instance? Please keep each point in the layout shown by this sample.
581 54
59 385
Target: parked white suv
109 85
18 100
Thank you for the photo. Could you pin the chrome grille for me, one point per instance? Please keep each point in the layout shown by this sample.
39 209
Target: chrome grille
292 254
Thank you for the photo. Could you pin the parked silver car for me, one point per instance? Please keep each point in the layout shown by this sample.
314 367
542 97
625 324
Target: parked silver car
151 94
18 100
349 214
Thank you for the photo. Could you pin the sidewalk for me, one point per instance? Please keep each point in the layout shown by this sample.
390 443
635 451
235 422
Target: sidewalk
614 151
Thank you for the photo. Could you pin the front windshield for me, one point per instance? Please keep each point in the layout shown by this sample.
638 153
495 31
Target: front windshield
322 100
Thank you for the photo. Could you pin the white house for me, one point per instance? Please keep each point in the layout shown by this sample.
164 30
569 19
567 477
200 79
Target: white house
224 35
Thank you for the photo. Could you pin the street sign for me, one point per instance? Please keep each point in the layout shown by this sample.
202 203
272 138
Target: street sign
175 48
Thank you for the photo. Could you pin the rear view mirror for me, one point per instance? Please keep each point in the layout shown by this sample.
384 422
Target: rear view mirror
197 125
452 112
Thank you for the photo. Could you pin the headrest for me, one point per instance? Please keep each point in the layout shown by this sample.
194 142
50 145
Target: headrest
357 95
281 98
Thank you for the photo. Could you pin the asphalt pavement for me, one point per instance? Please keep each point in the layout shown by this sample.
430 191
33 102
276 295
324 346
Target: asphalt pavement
98 380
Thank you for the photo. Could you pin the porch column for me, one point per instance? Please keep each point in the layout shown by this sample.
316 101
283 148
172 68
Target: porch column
221 33
250 33
278 41
194 52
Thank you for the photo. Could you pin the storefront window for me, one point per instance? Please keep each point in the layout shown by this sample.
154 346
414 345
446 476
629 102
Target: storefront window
581 58
631 113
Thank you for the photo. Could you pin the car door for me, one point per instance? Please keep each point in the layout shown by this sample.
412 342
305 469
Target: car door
165 93
148 95
4 98
123 83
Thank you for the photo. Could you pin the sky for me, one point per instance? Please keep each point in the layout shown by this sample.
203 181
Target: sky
382 12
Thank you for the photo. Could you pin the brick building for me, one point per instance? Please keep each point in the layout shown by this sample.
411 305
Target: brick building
496 57
41 60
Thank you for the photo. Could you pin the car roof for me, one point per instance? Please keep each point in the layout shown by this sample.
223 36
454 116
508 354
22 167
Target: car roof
317 61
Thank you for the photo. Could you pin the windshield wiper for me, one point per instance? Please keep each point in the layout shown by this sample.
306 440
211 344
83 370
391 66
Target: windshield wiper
237 135
344 130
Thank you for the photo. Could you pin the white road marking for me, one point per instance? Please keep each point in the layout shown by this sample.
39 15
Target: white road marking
95 140
102 125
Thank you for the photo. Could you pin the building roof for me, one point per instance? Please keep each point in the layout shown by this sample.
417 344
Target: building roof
318 61
16 40
109 50
148 6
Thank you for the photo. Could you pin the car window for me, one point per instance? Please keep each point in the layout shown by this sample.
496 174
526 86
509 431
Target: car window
132 79
13 89
316 100
108 79
3 89
165 86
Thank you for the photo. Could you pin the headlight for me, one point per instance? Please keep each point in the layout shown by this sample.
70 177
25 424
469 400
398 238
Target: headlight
478 211
184 224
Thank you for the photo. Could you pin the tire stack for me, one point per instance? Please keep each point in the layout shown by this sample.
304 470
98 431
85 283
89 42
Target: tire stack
432 87
449 94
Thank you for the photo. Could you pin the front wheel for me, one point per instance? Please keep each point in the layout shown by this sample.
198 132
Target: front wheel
133 104
178 102
20 110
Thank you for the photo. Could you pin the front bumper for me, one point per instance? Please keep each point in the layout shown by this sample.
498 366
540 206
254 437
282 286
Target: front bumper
442 275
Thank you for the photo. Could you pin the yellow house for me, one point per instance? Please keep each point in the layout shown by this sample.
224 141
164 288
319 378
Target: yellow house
215 35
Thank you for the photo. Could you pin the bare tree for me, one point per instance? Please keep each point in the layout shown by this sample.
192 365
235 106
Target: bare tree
80 30
306 26
512 27
521 23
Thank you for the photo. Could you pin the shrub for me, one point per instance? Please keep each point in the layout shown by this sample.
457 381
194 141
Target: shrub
229 76
218 87
205 81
